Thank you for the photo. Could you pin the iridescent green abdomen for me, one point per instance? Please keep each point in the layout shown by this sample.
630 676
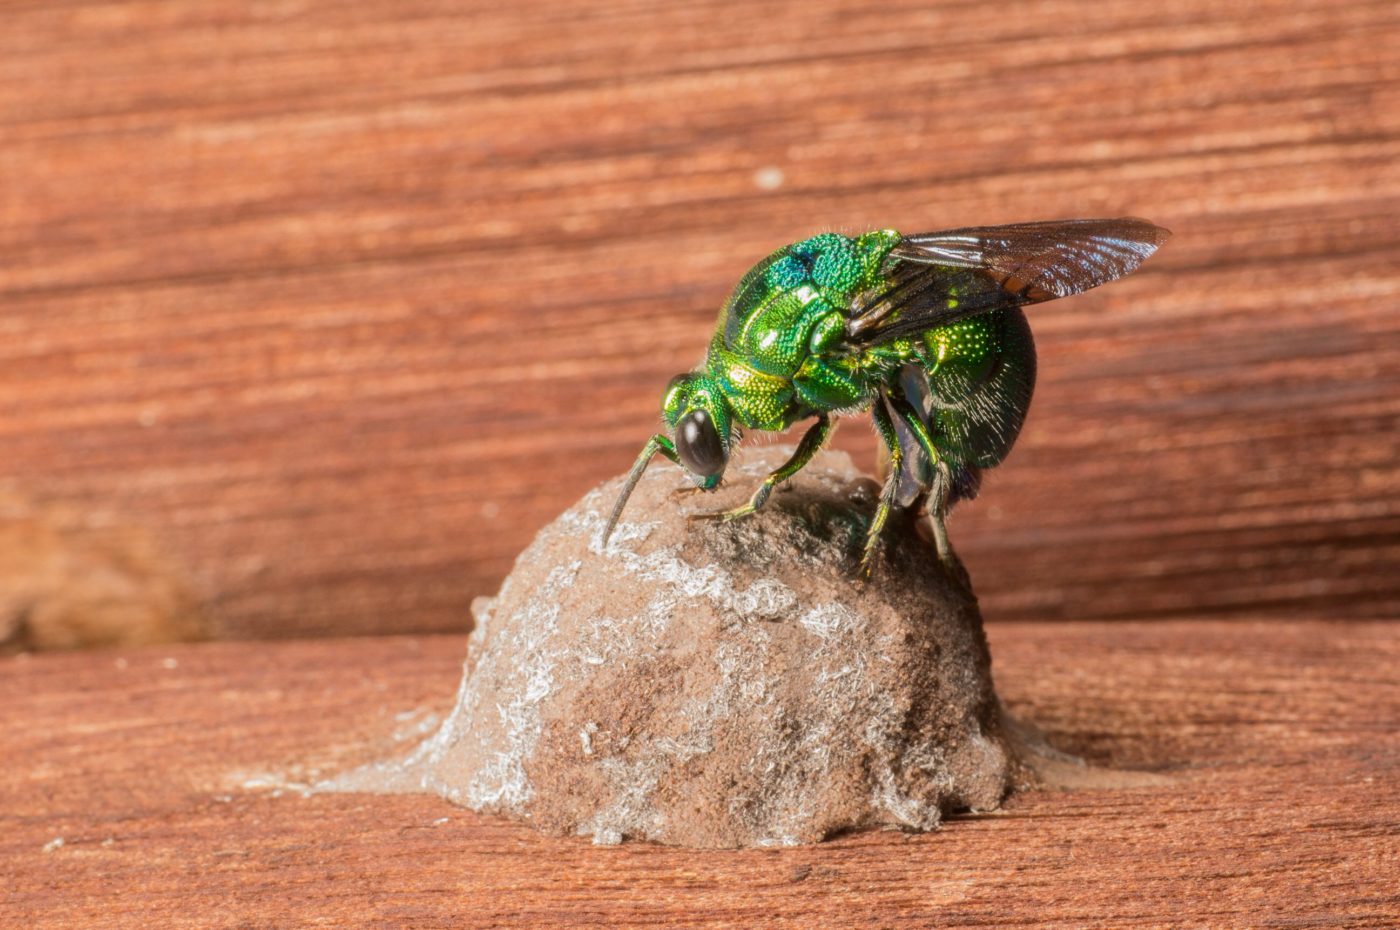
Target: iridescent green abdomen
980 385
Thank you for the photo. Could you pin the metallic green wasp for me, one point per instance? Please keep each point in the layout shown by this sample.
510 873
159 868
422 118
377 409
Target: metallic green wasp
924 331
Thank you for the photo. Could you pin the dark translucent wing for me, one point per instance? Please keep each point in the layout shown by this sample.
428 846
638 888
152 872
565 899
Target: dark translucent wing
1041 261
921 297
915 470
940 278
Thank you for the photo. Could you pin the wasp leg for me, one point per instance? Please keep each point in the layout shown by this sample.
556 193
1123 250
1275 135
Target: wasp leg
884 426
811 442
689 489
937 508
936 512
914 423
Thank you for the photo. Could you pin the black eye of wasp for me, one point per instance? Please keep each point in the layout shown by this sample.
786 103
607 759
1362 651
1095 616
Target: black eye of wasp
699 446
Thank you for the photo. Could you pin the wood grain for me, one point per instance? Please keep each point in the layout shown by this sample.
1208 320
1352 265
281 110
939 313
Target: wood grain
1274 744
342 301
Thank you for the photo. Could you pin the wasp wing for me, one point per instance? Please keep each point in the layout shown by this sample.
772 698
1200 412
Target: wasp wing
940 278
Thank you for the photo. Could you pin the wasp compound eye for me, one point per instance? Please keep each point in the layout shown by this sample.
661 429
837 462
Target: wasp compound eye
698 444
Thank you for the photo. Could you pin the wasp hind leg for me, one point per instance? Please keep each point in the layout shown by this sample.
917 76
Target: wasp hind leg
935 504
811 443
923 480
943 488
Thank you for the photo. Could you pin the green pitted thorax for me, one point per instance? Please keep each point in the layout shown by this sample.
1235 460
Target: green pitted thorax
784 312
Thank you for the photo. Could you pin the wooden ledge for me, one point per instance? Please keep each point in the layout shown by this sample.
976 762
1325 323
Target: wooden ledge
135 793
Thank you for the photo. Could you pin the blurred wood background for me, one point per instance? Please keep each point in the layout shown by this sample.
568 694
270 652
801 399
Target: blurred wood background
335 303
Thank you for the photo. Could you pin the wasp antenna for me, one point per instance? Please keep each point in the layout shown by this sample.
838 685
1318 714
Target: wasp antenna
655 444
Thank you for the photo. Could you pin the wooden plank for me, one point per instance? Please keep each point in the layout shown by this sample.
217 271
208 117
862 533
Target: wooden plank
340 302
1276 803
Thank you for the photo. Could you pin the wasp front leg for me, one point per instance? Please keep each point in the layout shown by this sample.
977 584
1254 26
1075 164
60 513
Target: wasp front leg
689 490
811 443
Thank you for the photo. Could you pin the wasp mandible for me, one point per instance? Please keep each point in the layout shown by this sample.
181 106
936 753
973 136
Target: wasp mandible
924 331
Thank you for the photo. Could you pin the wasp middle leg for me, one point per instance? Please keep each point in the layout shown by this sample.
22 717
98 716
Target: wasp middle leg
884 426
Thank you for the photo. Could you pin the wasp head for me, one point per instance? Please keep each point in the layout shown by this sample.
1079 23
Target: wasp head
694 409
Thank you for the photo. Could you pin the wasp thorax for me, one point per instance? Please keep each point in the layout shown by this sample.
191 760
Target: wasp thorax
699 445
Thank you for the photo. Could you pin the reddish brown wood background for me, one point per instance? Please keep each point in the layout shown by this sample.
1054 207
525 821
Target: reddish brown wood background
338 302
1277 803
